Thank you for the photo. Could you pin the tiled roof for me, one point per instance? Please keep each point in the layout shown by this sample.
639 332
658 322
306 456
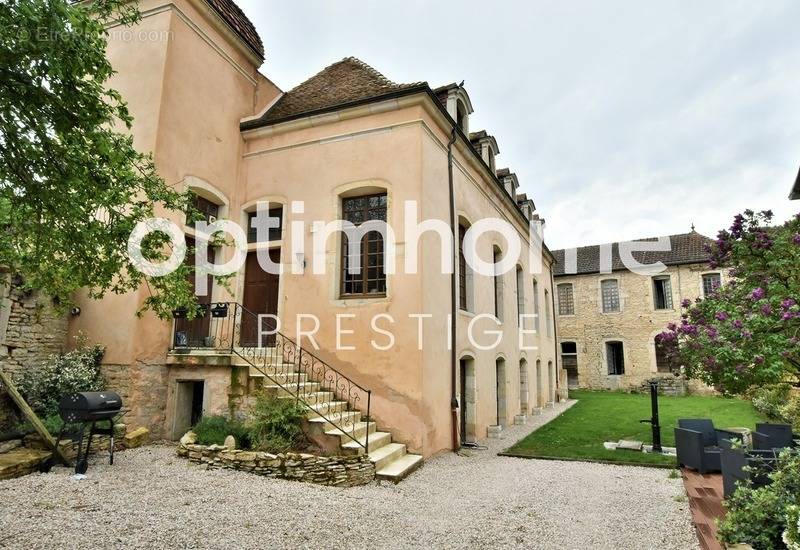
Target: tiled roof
347 81
686 248
795 194
235 17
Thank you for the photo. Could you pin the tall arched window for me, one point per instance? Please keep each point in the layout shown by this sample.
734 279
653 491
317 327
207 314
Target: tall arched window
520 295
371 280
498 285
464 273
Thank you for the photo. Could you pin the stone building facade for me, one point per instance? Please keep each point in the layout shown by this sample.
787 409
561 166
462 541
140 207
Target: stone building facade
607 321
31 330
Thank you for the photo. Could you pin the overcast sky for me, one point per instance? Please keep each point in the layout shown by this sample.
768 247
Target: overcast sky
621 119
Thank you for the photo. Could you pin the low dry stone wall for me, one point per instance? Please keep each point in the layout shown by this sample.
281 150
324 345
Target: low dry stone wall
338 471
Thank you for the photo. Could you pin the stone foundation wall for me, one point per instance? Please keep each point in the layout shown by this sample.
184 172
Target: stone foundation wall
31 330
143 388
338 471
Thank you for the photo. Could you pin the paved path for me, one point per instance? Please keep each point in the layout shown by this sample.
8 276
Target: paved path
151 499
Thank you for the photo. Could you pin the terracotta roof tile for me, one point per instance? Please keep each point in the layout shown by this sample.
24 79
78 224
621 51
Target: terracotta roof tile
346 81
686 248
235 17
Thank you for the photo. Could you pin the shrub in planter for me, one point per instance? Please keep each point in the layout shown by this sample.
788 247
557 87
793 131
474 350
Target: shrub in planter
71 372
760 516
212 430
276 424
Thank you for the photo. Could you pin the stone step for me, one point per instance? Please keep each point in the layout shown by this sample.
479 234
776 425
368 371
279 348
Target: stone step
313 398
387 453
289 389
283 377
400 468
327 409
377 440
357 430
342 420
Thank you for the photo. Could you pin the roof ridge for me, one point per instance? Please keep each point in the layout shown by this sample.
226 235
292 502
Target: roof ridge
638 239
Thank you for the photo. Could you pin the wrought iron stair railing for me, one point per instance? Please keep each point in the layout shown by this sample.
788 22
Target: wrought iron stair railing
228 327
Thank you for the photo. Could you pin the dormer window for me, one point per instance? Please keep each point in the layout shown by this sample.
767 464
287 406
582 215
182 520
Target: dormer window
456 101
462 117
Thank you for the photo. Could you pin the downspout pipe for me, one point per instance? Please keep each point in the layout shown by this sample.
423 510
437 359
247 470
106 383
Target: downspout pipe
453 304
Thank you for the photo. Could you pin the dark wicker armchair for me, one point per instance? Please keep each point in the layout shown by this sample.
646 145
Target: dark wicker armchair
698 444
774 436
742 465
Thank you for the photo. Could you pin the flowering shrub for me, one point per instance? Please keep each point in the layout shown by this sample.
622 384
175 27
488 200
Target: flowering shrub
747 333
75 371
791 537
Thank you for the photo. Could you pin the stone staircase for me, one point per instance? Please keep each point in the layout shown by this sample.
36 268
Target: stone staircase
334 419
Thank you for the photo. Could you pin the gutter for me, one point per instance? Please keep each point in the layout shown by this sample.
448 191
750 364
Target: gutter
454 405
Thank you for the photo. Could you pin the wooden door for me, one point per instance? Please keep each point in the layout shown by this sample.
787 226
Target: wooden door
260 297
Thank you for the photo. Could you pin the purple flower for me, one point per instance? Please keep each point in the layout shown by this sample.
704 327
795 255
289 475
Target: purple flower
787 303
721 316
759 360
686 302
796 238
712 333
766 309
757 294
746 334
738 323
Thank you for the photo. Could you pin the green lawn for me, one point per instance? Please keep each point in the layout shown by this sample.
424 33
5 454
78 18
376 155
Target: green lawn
579 433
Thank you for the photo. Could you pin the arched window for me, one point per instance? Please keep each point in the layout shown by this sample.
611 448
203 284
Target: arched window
520 295
464 273
371 280
498 285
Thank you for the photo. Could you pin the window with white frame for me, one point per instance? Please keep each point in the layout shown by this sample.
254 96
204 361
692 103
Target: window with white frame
609 292
662 292
711 282
566 302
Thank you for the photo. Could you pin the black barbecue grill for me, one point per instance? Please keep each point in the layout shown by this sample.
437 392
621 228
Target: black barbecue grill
87 409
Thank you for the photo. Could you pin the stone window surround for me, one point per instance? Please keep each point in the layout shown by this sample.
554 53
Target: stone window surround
604 356
651 290
701 292
600 296
333 253
558 300
469 276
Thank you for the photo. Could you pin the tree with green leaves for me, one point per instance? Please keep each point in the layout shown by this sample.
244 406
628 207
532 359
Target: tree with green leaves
72 185
746 334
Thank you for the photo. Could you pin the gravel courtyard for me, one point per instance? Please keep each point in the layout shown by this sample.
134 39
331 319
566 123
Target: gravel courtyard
152 499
